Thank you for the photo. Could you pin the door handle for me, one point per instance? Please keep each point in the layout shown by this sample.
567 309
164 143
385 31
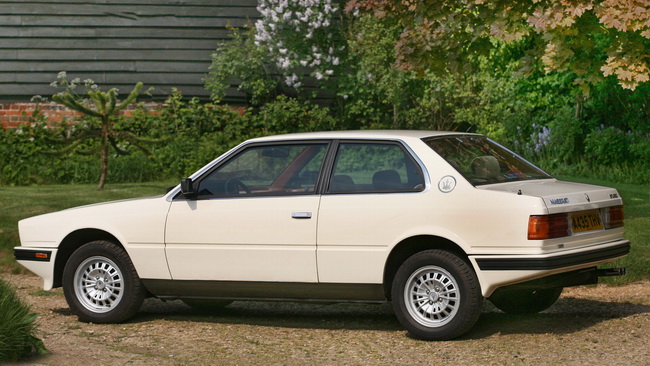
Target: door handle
301 215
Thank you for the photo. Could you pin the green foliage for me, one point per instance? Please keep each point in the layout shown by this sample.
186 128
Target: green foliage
17 327
545 117
287 115
567 135
621 108
373 92
640 148
593 40
240 61
607 146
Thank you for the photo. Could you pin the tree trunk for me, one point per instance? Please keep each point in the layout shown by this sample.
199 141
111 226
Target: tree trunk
104 153
580 102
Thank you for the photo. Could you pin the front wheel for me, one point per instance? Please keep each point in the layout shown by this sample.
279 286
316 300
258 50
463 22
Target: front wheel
436 295
101 284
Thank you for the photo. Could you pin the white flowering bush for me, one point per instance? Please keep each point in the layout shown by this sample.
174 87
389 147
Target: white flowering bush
241 63
301 37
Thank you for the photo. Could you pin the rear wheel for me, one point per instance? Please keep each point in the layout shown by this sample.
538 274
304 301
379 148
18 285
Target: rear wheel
101 284
436 295
525 301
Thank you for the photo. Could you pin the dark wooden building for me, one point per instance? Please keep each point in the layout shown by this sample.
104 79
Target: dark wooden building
116 43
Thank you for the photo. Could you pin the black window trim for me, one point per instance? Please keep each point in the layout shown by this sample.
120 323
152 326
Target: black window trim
323 179
240 149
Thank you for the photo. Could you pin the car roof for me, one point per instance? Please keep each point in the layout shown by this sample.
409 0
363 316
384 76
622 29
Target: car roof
359 134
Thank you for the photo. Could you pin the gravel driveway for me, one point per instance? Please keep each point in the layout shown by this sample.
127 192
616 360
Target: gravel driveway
588 325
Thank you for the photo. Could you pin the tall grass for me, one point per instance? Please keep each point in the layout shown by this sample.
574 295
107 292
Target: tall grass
17 327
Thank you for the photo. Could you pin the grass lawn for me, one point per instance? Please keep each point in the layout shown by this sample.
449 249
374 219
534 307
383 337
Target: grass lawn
22 202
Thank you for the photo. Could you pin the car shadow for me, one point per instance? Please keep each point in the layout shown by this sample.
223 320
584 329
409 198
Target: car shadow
568 315
347 316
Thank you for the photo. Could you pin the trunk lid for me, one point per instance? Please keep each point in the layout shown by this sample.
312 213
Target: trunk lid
561 196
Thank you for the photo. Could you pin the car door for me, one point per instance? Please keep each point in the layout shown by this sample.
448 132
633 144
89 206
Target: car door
370 201
253 219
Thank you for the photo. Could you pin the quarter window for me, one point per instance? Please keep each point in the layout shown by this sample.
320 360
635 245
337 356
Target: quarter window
374 167
267 170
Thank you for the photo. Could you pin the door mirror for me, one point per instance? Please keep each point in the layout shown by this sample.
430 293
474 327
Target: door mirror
187 187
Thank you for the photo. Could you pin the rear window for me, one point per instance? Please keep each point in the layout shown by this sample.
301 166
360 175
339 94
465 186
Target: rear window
483 161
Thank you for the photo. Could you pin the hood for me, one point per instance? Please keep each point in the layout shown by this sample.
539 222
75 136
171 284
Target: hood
49 229
561 196
99 204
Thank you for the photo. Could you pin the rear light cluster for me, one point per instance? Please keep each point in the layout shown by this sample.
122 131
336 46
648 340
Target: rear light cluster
559 225
613 216
548 226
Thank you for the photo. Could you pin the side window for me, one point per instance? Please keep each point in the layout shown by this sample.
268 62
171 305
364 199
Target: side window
374 167
266 170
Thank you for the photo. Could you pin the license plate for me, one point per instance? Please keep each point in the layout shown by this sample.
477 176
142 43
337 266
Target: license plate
586 222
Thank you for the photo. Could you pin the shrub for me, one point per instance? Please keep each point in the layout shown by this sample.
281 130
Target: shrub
640 148
17 327
244 61
287 115
567 135
607 146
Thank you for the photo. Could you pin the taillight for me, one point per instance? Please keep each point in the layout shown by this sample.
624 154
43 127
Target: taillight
614 217
548 226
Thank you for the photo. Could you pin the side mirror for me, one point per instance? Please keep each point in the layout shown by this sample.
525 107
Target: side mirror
187 188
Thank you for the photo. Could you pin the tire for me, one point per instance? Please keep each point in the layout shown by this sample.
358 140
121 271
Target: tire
436 295
101 284
525 301
207 306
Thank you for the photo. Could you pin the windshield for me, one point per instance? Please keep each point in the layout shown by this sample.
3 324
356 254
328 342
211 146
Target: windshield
483 161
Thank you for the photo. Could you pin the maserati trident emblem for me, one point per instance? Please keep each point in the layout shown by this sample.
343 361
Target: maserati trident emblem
587 197
447 184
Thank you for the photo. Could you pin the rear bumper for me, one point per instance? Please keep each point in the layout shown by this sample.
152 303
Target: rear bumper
549 263
501 270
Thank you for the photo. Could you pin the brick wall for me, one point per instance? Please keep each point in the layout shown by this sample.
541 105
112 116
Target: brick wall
16 114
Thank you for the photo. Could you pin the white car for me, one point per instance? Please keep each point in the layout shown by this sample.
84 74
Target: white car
433 221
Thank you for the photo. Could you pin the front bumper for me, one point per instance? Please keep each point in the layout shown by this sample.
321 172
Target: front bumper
496 271
40 261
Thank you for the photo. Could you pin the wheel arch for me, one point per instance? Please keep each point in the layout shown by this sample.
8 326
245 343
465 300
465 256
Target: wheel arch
409 247
74 241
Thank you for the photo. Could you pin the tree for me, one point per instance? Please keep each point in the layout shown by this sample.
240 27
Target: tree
592 38
105 107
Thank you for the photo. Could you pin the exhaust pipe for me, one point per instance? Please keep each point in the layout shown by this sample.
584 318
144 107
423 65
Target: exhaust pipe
611 272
